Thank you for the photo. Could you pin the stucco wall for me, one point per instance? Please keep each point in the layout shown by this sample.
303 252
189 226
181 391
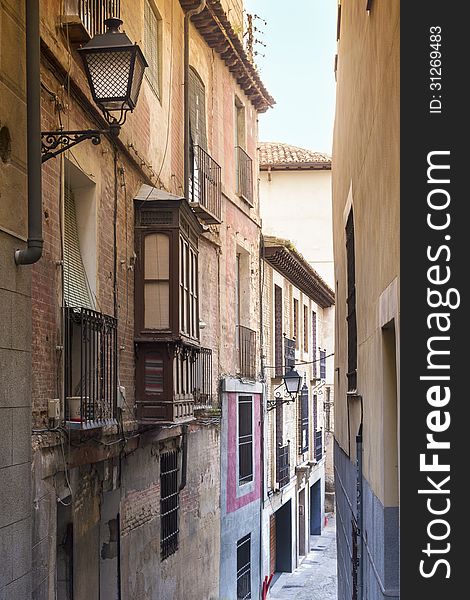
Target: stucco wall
296 205
366 179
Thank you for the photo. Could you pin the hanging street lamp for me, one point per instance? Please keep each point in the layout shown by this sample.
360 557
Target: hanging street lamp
292 381
114 67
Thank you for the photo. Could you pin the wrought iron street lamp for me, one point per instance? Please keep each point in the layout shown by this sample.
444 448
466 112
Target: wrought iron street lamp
292 381
114 67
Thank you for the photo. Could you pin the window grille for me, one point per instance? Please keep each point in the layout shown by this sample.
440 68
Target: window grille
322 364
278 331
245 439
169 503
152 47
314 344
244 568
303 420
305 328
296 323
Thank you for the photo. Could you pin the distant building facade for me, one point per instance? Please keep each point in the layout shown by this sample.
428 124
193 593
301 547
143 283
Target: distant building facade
366 196
296 303
295 196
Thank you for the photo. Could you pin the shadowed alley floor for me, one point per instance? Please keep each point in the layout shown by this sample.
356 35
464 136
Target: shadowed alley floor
315 578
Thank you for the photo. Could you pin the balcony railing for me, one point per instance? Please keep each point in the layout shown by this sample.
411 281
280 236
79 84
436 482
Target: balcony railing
202 379
90 380
85 18
244 175
319 444
247 352
282 465
289 352
205 186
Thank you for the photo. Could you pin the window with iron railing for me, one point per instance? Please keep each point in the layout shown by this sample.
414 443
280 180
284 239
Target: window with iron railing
244 568
90 379
245 439
318 444
278 331
247 352
169 503
282 465
314 344
303 420
351 305
289 352
322 364
244 175
295 323
205 192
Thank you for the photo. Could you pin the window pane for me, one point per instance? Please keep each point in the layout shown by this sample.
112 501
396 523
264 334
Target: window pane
245 439
157 256
157 305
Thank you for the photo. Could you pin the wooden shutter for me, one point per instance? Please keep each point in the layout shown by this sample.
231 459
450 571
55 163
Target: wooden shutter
76 292
197 109
151 45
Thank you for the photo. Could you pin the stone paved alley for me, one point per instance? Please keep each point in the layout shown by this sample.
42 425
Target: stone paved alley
315 578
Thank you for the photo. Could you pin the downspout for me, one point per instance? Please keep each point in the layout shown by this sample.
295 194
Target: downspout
187 17
33 252
263 405
359 506
184 457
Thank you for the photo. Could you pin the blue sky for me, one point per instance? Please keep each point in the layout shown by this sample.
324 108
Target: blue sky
300 38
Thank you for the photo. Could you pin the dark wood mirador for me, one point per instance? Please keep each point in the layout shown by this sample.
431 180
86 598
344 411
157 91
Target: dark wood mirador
172 371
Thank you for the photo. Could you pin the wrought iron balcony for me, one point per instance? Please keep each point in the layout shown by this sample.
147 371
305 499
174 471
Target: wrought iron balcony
289 353
318 444
282 465
205 186
202 378
85 18
90 381
247 352
244 175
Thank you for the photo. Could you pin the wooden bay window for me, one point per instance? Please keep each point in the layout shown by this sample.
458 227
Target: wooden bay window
166 309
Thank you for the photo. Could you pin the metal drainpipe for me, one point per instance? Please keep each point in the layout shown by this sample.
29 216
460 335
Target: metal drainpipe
360 584
184 458
187 17
33 252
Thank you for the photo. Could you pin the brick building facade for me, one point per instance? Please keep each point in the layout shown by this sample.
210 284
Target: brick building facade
129 491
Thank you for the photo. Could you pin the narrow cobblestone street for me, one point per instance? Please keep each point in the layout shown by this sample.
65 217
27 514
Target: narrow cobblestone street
315 578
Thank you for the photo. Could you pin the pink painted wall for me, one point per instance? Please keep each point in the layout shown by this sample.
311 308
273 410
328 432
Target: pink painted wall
234 503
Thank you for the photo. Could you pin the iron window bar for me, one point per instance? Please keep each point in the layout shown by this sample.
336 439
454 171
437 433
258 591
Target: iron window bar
169 503
244 175
90 380
205 188
244 568
283 465
247 352
318 444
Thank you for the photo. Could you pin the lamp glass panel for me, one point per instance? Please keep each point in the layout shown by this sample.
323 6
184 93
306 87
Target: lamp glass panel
109 76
